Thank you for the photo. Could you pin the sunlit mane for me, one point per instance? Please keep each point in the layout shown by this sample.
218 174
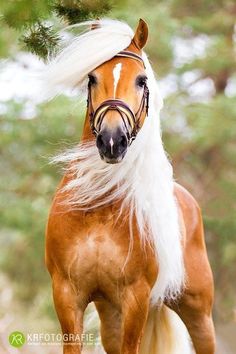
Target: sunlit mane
143 180
85 52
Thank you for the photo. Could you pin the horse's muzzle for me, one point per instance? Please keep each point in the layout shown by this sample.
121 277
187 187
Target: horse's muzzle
112 145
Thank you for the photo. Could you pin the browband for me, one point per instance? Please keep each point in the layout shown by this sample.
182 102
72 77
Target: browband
128 54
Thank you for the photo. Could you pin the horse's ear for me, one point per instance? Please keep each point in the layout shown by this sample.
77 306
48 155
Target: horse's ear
141 34
96 24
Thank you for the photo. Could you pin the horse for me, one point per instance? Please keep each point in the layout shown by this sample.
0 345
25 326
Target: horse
121 233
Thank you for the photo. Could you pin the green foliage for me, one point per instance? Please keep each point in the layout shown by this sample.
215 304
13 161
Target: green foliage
39 37
18 14
41 40
216 20
81 10
25 197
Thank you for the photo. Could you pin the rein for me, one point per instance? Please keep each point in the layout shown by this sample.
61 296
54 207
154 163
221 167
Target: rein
130 119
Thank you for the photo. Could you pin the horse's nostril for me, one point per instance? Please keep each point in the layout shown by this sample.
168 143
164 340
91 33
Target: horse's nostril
112 144
99 141
123 141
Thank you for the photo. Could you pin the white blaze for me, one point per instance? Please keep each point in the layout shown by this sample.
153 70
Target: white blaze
116 75
111 144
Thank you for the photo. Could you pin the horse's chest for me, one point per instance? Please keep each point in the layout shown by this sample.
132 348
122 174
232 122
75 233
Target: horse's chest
97 251
104 254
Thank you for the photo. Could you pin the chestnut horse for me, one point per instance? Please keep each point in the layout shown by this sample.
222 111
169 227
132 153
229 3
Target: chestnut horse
120 232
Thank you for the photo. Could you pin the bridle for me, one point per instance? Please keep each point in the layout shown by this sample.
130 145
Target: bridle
130 119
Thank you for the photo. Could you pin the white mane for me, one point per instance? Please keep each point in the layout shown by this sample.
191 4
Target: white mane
86 52
144 179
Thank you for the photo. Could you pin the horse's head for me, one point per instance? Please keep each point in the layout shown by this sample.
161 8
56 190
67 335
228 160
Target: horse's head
118 99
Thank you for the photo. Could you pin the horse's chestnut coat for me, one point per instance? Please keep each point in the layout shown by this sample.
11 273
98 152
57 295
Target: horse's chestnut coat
90 257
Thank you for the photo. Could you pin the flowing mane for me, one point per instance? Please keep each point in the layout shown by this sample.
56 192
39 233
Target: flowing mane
85 52
144 179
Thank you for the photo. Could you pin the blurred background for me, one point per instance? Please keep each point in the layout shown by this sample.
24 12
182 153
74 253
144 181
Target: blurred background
192 47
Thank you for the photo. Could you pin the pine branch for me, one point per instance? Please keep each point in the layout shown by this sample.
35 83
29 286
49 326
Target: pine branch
81 10
41 40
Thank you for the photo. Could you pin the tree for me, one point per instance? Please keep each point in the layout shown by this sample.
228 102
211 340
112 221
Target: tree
40 23
205 151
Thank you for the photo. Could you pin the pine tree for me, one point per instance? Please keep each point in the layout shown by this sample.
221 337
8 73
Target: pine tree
40 37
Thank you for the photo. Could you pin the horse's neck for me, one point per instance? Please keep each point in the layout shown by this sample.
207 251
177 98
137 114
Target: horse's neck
87 134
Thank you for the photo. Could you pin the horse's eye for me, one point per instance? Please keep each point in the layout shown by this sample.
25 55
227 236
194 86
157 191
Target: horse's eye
92 79
141 80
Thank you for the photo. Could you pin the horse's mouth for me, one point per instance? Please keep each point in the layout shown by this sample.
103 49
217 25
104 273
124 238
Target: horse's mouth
112 160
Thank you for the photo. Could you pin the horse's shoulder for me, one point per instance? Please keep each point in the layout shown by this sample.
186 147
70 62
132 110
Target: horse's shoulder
184 197
190 211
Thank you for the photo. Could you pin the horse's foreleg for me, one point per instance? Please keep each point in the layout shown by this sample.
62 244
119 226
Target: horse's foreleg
135 305
70 309
198 322
195 306
110 326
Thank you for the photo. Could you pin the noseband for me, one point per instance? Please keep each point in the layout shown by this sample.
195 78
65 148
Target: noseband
130 119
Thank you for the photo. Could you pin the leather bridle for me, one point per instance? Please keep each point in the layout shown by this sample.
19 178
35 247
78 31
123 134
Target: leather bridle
130 119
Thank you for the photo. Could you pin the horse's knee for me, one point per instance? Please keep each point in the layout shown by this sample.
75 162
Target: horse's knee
195 311
197 302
